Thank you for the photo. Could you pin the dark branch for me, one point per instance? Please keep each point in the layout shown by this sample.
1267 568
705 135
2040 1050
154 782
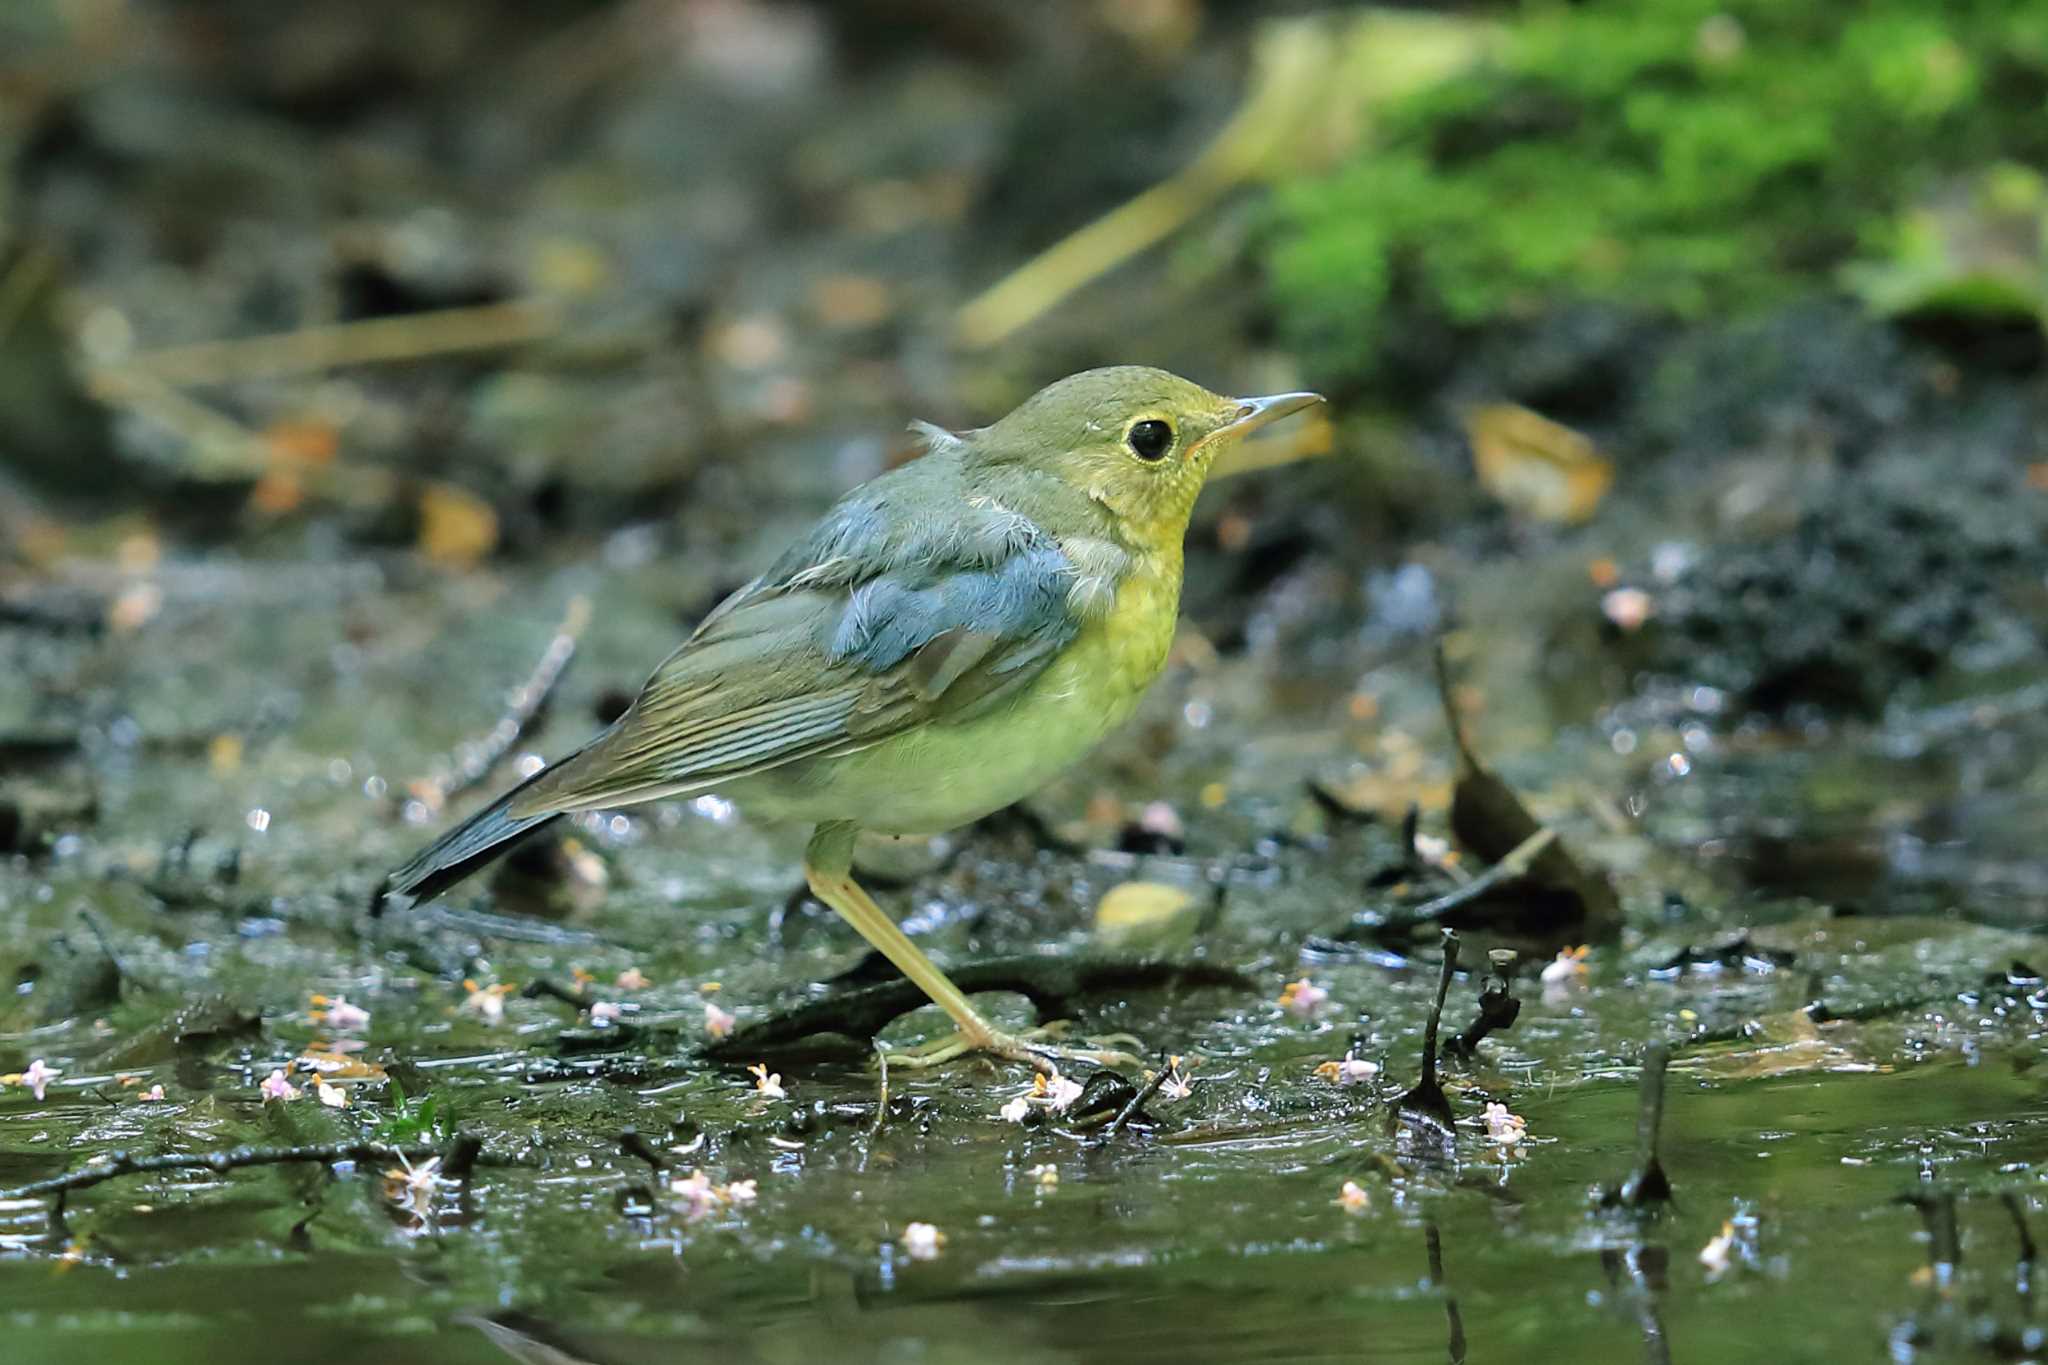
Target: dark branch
1054 986
463 1150
473 763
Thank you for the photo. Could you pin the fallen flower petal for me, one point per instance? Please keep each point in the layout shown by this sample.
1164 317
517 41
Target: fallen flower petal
276 1087
1175 1085
699 1196
340 1014
488 1002
631 979
922 1241
1353 1198
1714 1255
767 1083
412 1187
1569 965
1504 1128
717 1022
333 1096
38 1077
1628 608
152 1095
1303 998
1350 1070
1060 1092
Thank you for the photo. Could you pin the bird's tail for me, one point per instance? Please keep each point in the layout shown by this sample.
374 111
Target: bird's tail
473 844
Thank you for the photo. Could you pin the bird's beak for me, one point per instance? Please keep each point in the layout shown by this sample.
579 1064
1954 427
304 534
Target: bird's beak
1253 413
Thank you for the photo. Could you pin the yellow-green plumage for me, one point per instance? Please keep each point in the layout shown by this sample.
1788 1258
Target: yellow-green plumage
937 776
945 640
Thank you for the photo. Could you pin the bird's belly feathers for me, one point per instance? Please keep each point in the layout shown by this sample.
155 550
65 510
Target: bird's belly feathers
941 775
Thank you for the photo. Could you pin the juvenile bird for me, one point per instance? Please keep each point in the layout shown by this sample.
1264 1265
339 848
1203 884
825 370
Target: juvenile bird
948 637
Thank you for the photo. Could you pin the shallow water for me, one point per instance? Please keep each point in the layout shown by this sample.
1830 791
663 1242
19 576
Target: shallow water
1213 1234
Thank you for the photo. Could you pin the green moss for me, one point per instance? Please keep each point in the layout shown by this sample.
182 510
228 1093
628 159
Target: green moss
1679 156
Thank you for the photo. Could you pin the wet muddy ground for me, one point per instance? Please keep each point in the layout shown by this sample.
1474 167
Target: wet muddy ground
1821 920
1779 702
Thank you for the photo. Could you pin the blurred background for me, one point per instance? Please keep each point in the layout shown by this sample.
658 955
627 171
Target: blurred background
1712 331
1686 361
492 282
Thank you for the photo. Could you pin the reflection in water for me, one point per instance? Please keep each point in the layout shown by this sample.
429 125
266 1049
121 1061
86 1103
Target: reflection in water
1455 1349
528 1340
1640 1271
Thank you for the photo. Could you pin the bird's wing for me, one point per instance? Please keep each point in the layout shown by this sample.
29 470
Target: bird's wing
856 635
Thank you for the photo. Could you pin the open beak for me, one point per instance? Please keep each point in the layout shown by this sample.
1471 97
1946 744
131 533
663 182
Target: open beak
1253 413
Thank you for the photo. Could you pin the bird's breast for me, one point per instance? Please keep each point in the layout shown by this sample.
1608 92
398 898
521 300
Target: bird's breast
1128 645
936 776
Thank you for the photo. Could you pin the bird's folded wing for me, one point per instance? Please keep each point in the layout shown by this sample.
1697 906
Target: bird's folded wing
797 666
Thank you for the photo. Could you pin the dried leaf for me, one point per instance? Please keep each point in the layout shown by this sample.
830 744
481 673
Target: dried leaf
1145 913
337 1066
1786 1044
457 528
1489 820
1536 466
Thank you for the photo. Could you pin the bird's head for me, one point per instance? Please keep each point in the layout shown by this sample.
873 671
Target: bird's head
1139 441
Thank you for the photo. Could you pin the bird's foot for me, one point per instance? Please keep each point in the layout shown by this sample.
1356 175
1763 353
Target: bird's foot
1037 1048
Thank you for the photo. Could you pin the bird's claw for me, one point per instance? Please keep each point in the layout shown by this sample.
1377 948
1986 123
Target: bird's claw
1031 1047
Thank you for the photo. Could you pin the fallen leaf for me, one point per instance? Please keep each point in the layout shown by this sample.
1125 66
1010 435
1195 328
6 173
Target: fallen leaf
457 528
1146 913
1557 894
1783 1045
850 300
1536 466
335 1066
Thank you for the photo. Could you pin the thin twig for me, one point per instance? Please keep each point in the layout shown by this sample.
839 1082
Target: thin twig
1054 985
1467 760
1647 1185
2014 1207
221 446
1427 1101
1436 1010
474 762
231 1159
1291 68
19 288
882 1090
1937 1210
1498 1008
411 336
1510 868
634 1145
1515 864
1137 1101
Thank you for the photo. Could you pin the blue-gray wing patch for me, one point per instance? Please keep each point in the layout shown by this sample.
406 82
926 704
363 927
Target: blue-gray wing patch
1020 600
833 655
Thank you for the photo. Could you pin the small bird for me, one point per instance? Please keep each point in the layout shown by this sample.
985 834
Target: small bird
945 640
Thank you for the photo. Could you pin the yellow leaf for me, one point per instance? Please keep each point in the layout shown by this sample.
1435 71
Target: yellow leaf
336 1066
851 300
1536 466
457 528
1146 912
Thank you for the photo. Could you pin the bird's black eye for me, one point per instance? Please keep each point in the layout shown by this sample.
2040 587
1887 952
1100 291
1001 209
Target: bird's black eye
1149 439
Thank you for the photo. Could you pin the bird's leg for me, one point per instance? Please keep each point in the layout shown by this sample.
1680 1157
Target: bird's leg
828 867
